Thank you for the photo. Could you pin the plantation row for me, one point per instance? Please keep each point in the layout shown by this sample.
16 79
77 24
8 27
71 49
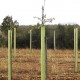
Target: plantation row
43 52
64 35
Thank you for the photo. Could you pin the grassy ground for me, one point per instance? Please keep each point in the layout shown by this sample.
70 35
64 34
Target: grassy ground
60 65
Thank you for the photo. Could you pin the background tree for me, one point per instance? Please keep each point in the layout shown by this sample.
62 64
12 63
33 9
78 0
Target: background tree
64 34
8 24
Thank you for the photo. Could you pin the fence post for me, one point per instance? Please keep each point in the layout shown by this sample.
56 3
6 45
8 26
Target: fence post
54 41
14 42
76 49
9 56
43 55
30 40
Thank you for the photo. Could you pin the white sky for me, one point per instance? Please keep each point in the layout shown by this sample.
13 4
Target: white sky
64 11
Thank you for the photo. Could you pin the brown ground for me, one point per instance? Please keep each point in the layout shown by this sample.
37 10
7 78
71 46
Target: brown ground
60 65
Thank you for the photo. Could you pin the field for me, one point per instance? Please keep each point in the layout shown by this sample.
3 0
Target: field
60 65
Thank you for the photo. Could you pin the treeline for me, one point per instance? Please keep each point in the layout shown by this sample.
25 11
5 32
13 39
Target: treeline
64 36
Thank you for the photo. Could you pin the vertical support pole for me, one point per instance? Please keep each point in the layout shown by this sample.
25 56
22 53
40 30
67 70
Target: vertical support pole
46 57
30 40
11 39
9 56
76 48
46 44
14 42
74 41
54 41
43 55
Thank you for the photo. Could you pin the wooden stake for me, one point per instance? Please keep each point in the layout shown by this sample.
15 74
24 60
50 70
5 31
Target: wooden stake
30 40
54 41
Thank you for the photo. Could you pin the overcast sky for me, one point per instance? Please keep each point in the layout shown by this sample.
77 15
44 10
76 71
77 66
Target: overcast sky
64 11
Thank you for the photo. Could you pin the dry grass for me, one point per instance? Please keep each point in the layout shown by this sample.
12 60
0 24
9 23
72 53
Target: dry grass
60 64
